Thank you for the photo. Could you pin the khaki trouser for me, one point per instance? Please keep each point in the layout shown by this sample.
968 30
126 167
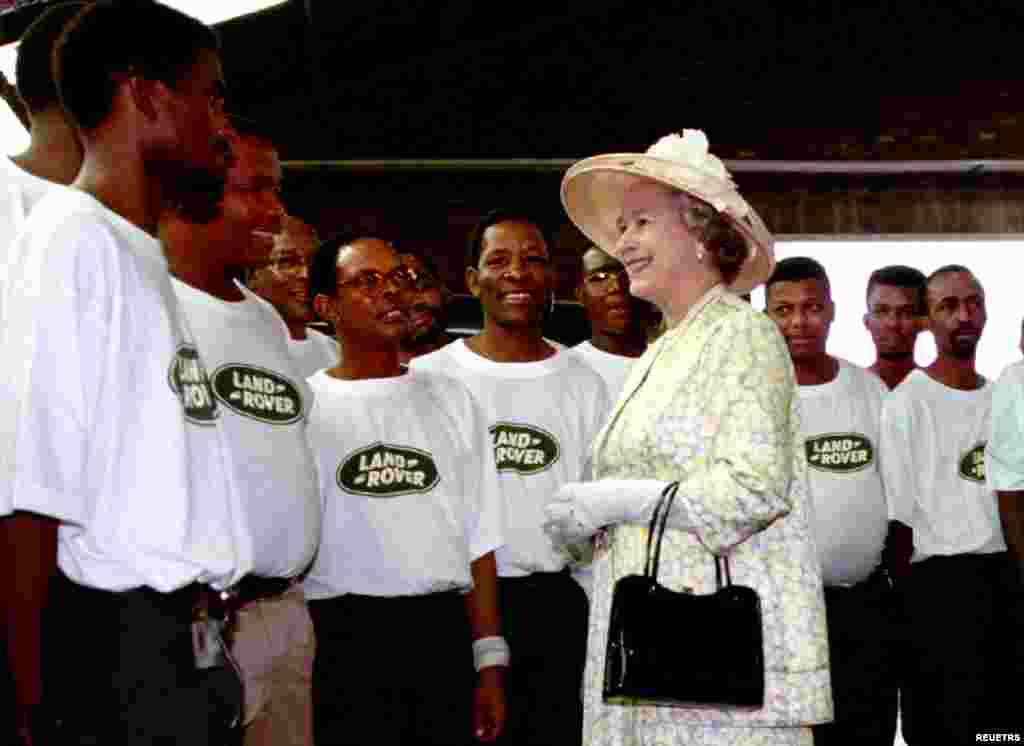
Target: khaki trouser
274 646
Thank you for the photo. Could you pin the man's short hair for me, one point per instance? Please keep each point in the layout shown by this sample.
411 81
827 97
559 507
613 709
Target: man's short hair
797 268
323 272
900 276
111 39
33 71
474 244
947 269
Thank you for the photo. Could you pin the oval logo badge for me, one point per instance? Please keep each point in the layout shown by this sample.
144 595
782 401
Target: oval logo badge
187 379
258 393
386 470
523 448
839 453
972 464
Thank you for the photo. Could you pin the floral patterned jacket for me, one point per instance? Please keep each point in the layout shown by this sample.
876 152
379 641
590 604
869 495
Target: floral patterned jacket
713 404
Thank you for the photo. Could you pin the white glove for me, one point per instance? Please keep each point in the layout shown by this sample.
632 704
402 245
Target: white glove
578 509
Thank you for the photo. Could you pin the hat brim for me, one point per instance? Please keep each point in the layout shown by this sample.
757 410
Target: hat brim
592 192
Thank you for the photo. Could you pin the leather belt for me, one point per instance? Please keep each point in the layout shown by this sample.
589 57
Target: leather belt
225 603
254 588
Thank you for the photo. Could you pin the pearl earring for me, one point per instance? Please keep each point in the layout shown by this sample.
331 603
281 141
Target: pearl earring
700 253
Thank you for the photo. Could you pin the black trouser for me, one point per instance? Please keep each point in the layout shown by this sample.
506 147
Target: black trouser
862 640
119 669
544 616
8 726
392 671
965 631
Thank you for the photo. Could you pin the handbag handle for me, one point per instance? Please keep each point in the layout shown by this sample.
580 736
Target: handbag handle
661 510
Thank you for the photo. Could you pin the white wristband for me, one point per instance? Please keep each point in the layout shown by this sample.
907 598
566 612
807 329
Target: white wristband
491 651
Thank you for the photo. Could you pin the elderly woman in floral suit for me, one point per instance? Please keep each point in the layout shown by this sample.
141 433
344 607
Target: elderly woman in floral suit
712 404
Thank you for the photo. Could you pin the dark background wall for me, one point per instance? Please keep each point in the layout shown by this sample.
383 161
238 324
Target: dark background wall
828 81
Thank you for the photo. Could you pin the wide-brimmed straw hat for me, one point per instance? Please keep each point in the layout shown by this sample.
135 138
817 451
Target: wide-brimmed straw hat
592 192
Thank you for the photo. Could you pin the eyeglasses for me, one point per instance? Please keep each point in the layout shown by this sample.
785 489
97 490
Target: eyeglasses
893 313
373 282
606 280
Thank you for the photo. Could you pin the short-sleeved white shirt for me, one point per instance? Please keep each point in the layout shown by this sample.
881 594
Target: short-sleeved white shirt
264 404
316 352
410 496
1004 454
117 432
841 421
933 467
20 191
613 369
543 417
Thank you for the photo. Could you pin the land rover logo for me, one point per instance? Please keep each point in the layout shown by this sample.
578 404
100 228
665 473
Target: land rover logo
386 470
523 448
187 379
258 393
840 453
972 464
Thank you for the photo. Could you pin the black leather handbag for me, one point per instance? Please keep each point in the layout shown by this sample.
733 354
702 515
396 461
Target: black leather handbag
669 648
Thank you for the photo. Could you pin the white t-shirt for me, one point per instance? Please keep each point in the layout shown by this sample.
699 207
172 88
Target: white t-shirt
543 417
1004 454
613 369
117 431
316 352
841 421
933 467
409 494
264 404
20 191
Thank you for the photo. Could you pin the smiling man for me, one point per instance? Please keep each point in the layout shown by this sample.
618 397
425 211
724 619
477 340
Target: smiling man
403 588
841 405
264 402
934 430
284 283
618 321
544 407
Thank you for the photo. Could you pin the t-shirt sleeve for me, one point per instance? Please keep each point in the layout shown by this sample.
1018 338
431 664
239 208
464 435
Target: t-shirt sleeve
896 457
61 318
1004 453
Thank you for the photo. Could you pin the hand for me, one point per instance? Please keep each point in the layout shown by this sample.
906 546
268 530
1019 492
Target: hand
568 519
578 509
489 708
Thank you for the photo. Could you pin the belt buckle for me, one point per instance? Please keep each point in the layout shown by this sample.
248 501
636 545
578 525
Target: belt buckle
216 608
